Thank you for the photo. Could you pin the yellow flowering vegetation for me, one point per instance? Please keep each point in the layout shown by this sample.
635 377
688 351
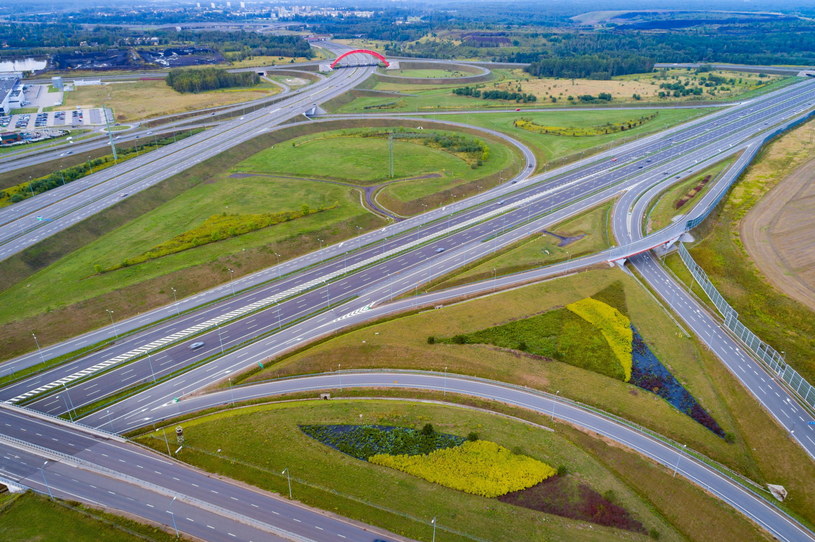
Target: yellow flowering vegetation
608 128
479 467
614 325
217 228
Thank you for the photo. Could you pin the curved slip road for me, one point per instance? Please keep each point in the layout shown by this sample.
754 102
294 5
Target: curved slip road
776 522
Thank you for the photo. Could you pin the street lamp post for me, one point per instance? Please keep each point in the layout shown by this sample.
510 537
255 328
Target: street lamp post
278 265
64 400
172 515
115 331
444 387
231 279
150 361
45 481
164 432
433 521
554 401
69 397
175 299
39 350
220 339
678 456
288 477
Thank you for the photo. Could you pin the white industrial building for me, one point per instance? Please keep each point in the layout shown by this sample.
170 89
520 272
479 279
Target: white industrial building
11 92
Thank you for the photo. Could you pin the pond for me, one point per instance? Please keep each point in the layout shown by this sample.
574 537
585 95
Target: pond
22 65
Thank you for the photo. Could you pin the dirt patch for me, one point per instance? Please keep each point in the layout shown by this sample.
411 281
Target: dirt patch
778 235
575 87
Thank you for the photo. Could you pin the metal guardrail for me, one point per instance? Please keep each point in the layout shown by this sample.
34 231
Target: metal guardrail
690 224
763 351
61 421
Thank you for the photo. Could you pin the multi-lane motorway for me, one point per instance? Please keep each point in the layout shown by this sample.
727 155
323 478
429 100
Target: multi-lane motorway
72 203
297 301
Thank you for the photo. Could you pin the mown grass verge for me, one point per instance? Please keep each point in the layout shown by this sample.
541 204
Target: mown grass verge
231 443
235 443
664 208
403 343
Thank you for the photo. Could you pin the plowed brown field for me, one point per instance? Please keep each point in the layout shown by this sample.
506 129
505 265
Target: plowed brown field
779 235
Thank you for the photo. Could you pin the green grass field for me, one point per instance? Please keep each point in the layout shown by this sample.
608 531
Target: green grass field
542 249
31 517
424 97
761 454
553 150
422 174
426 73
74 277
663 210
237 444
359 160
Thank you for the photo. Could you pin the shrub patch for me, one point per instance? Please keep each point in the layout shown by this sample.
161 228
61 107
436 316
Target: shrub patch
649 374
217 228
478 467
558 334
608 128
364 441
594 335
614 325
567 497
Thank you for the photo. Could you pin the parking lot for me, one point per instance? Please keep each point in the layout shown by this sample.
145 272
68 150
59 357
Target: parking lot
76 118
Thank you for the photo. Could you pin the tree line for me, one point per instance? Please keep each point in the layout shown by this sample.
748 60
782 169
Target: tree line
199 80
495 94
590 66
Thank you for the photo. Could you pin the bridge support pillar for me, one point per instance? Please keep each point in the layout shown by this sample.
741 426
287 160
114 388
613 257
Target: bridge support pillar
394 65
325 68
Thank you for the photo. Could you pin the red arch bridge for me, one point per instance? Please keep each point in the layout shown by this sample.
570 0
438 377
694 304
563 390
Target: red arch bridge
358 51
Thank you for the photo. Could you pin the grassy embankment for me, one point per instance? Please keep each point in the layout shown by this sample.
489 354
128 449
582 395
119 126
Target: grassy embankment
782 322
237 444
554 150
541 249
426 73
138 100
663 210
29 517
761 450
65 294
82 168
424 176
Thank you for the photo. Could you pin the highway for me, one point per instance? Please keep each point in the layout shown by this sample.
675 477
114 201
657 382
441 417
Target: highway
113 473
157 478
628 219
310 292
72 203
347 283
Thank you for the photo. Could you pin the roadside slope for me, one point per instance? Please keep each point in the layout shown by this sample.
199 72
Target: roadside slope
779 235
